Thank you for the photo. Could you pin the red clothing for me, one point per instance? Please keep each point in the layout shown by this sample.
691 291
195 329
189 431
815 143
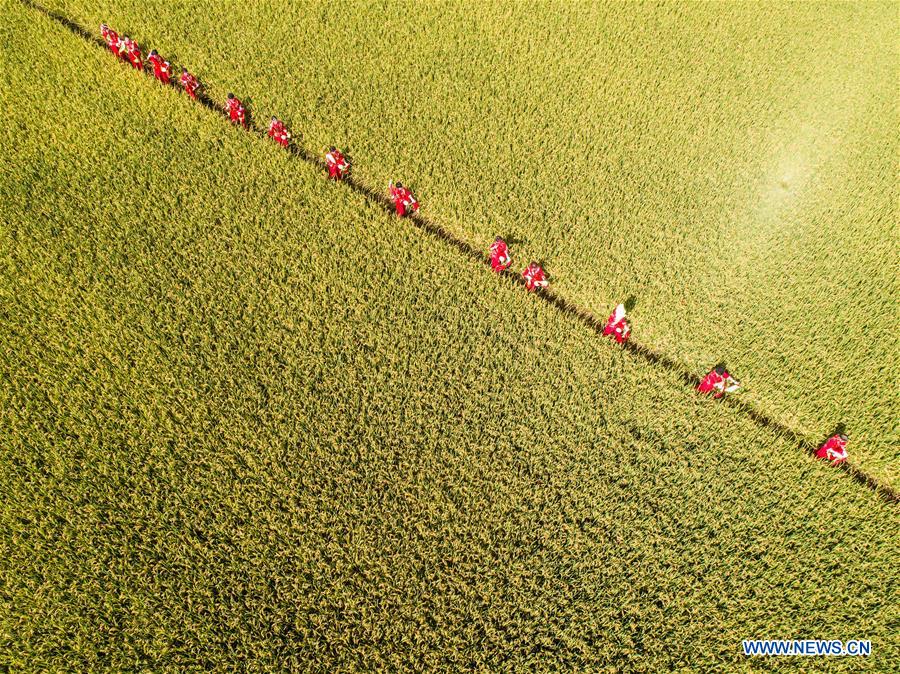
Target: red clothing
711 382
834 450
718 383
618 331
236 112
404 201
279 133
337 165
111 38
132 53
500 258
190 84
617 325
534 277
136 58
161 68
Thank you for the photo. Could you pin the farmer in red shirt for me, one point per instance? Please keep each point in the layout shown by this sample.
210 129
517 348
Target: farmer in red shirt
161 69
190 83
617 325
718 382
834 449
236 111
500 258
534 276
129 49
337 165
404 201
279 133
111 38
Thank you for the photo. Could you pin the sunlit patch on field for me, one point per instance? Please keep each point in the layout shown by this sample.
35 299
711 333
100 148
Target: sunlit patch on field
793 168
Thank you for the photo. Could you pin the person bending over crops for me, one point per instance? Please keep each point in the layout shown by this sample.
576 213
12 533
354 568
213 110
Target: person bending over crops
338 166
718 382
534 276
161 69
111 38
235 110
279 133
617 326
128 49
834 449
189 83
500 258
404 201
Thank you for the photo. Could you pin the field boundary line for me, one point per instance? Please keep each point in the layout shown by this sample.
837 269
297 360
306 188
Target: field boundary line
565 306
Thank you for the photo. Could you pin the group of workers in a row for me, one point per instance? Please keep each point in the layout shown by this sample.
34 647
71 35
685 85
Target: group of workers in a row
126 49
717 381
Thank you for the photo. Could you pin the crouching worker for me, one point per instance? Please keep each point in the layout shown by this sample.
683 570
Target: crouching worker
337 164
189 83
235 110
718 382
500 258
161 69
834 449
617 326
534 276
111 38
129 50
279 133
404 201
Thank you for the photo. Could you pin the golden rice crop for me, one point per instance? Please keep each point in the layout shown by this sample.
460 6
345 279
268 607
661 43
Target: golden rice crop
729 167
247 419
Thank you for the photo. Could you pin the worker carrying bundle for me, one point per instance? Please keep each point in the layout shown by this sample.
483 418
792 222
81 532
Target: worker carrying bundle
617 326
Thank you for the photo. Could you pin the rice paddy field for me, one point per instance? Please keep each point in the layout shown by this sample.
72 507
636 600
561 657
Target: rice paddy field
250 420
